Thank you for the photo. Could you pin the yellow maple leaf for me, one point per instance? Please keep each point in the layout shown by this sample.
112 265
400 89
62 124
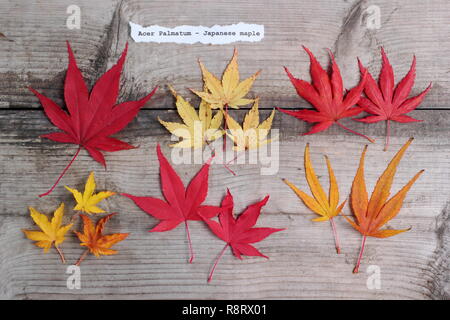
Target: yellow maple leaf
87 202
252 134
198 128
52 232
229 92
327 207
93 238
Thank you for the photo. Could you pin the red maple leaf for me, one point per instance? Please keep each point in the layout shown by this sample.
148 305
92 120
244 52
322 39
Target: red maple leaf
182 204
238 233
91 118
326 95
387 102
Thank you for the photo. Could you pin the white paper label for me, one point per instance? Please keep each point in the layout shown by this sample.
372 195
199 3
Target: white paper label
193 34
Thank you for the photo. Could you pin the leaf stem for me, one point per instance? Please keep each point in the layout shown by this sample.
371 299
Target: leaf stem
235 157
225 126
216 262
191 251
61 254
363 243
336 236
224 165
388 133
85 253
352 131
61 175
74 218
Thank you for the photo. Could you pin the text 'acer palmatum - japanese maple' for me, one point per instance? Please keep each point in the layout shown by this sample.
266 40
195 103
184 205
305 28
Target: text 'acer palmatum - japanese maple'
182 204
326 94
91 118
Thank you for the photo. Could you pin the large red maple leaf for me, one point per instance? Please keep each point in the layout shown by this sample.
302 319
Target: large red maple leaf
238 233
387 102
182 204
326 94
91 118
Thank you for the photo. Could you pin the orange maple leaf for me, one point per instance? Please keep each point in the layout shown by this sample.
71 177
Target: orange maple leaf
371 215
92 237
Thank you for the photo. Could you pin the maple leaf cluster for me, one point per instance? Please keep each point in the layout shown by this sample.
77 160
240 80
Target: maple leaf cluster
92 237
199 129
370 215
384 101
92 118
186 204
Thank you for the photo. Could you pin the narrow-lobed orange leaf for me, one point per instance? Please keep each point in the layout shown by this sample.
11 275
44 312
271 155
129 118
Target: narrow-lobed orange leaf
371 215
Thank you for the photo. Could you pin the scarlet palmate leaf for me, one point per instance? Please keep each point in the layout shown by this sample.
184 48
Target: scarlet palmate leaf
52 233
238 233
94 240
91 118
327 207
371 215
182 204
87 201
385 101
326 95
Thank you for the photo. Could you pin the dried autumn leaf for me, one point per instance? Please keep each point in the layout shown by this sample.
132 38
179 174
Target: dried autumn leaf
252 134
229 92
93 238
199 128
226 93
325 93
371 215
52 233
327 207
182 204
87 202
238 233
387 102
91 118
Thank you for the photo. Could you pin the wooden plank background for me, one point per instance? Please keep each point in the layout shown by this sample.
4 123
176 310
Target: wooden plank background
303 263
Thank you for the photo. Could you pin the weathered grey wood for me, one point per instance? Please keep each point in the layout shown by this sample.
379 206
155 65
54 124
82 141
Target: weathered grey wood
36 56
302 264
35 53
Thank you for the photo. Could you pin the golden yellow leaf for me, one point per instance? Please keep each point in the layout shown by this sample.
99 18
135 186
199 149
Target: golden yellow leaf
371 215
87 202
326 207
252 134
52 233
197 129
229 92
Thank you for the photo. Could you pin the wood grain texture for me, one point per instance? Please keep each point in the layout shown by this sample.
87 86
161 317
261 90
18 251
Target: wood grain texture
302 264
37 55
34 54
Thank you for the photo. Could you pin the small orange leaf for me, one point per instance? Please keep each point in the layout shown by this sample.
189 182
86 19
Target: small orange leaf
92 237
